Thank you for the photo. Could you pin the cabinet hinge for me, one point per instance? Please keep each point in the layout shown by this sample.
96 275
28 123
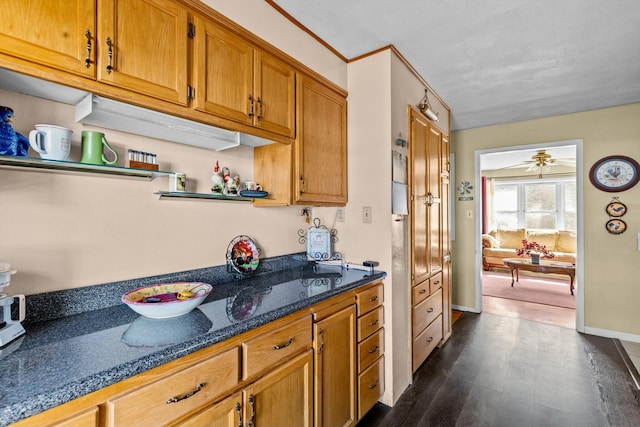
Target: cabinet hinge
191 30
191 93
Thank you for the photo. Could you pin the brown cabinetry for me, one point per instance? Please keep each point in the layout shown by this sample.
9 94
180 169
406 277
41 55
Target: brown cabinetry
335 368
320 155
235 80
370 347
58 33
430 248
143 46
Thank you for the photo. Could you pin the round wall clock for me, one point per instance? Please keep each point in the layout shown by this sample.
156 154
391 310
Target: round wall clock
615 173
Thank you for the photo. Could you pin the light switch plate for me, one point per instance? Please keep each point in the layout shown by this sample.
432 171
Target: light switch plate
366 214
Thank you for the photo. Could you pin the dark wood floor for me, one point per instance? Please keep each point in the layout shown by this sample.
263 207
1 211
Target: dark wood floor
503 371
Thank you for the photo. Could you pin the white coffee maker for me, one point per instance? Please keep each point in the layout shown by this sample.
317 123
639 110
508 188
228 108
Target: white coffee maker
10 328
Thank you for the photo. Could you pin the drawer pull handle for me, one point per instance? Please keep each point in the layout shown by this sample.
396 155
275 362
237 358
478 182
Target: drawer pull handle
422 291
373 350
374 323
437 283
430 310
429 340
374 385
281 346
188 395
374 298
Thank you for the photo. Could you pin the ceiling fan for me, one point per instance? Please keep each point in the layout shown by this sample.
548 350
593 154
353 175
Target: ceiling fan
541 162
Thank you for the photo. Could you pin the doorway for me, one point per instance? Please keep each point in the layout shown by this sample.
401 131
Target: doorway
514 167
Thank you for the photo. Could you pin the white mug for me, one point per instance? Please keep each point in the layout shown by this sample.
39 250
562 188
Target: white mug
252 186
51 142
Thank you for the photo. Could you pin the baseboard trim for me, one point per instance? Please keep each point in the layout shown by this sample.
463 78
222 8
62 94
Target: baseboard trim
463 308
612 334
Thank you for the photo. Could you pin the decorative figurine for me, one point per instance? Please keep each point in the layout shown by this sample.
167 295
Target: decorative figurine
12 143
231 184
217 180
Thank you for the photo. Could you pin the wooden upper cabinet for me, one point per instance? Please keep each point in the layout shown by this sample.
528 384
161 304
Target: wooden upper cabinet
56 33
143 47
320 164
239 82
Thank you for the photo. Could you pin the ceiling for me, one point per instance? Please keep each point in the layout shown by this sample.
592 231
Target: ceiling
495 61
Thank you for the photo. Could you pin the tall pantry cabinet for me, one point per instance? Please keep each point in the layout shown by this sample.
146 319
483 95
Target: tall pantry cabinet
429 241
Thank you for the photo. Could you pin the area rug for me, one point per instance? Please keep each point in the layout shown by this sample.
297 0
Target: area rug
538 289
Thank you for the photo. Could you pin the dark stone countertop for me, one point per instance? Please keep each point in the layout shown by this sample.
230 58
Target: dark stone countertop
85 339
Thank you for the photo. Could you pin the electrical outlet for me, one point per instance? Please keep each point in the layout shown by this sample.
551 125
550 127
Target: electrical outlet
339 215
367 215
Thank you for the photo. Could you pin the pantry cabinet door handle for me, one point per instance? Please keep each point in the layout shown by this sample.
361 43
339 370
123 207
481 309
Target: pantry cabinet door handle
188 395
281 346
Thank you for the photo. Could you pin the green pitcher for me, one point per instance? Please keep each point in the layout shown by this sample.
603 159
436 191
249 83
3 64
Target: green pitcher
93 144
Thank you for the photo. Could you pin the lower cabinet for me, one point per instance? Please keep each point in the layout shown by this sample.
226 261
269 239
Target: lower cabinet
335 369
322 366
281 398
369 304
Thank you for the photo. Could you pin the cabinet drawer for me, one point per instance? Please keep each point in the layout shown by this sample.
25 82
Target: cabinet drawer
424 343
370 349
425 312
189 389
369 299
370 386
370 322
435 282
269 349
421 292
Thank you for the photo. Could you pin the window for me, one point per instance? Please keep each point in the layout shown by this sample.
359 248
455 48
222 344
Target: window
534 204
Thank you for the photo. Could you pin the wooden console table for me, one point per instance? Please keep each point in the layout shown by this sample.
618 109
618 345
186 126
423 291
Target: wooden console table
546 267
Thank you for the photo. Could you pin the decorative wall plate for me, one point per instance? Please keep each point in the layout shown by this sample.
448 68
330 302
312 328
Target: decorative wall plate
616 226
243 255
616 209
615 173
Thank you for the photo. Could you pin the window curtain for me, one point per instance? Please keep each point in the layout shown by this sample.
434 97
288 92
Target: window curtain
487 203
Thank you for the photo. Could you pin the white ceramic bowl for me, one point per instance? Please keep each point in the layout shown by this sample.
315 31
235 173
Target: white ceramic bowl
160 302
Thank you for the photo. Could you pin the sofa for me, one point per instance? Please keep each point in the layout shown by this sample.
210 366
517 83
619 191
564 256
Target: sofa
500 244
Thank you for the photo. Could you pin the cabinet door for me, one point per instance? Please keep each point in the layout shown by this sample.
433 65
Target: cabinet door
56 33
227 413
434 198
143 47
283 397
335 369
419 209
446 240
274 88
320 145
223 68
